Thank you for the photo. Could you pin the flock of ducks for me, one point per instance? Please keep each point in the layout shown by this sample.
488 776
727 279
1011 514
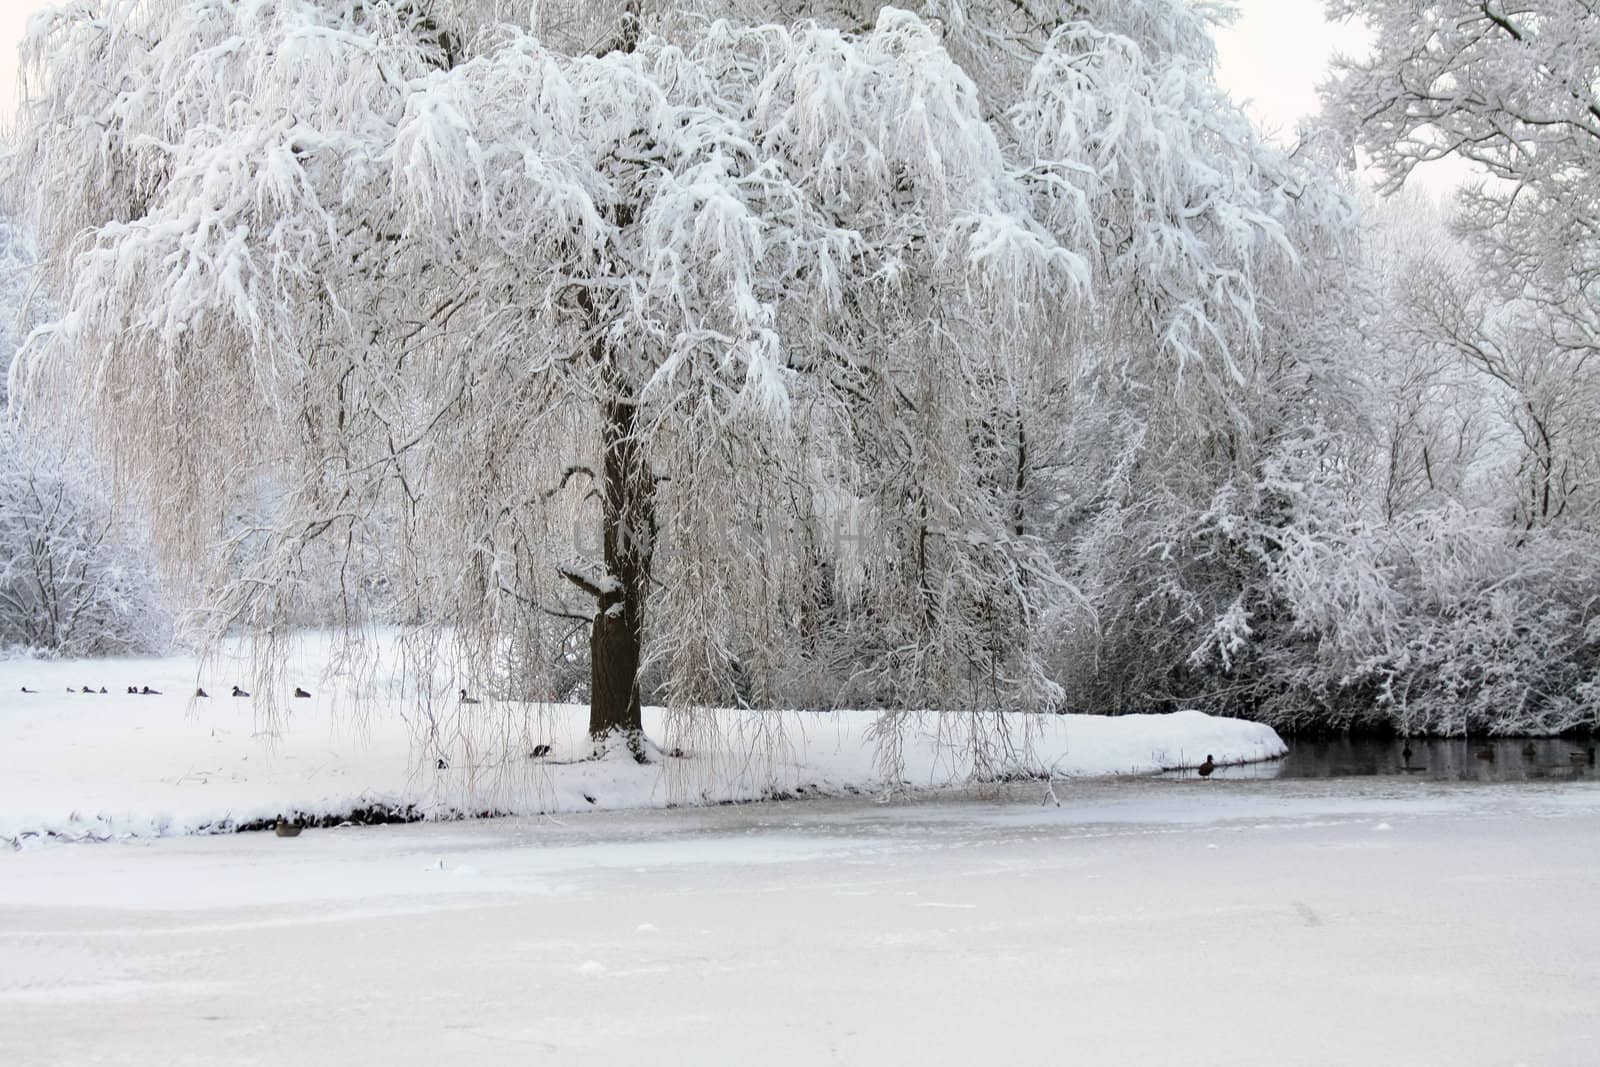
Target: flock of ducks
146 691
1578 757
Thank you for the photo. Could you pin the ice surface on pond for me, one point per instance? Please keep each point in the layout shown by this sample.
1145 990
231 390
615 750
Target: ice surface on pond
1146 920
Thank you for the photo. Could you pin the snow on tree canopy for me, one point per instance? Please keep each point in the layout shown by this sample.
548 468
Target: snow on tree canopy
770 304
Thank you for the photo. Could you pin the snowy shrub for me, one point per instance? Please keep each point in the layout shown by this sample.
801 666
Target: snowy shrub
1446 621
73 580
1482 627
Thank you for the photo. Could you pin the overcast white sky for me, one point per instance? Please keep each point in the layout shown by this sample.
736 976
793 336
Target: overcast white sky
1274 56
13 20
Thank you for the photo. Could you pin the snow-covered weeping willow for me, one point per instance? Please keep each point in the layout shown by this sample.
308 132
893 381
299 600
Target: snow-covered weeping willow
748 342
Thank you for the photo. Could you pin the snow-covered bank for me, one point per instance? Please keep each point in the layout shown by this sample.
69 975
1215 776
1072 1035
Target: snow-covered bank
82 765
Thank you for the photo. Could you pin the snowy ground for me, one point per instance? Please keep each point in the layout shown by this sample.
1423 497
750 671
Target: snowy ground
92 766
1146 921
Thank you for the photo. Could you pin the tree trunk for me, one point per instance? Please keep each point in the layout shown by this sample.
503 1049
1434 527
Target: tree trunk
629 529
628 523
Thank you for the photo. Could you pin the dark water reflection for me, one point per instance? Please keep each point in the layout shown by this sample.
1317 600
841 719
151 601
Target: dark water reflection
1500 760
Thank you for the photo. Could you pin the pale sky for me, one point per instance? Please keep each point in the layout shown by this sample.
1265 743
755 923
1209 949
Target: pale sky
13 20
1274 56
1278 52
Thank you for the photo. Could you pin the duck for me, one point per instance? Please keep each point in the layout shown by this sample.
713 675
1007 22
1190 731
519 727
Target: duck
441 764
239 692
1486 754
1581 758
284 828
469 700
146 691
1529 752
1207 767
25 689
71 690
539 752
201 694
301 694
133 690
88 689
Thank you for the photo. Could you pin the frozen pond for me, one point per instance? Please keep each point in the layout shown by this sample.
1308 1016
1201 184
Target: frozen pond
1148 920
